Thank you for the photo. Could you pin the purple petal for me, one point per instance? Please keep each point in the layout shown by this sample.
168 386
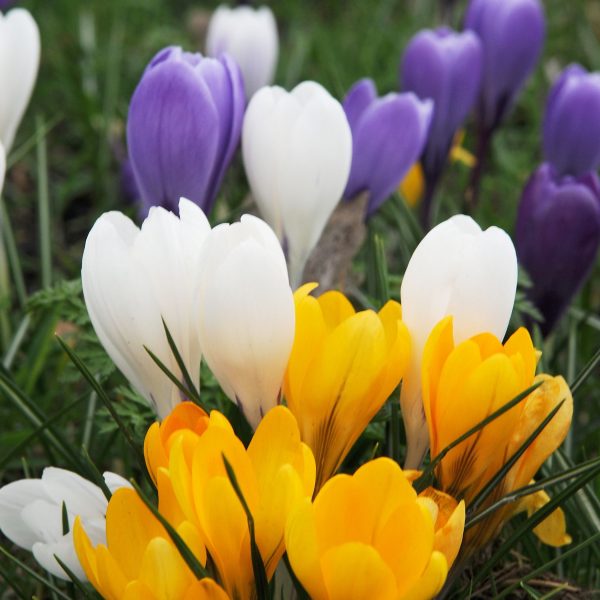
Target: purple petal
358 99
572 123
444 66
557 238
387 138
183 127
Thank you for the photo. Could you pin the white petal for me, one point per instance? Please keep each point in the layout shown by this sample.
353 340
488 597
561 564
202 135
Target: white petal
132 280
14 497
297 150
65 550
246 314
19 62
80 496
250 37
44 519
115 482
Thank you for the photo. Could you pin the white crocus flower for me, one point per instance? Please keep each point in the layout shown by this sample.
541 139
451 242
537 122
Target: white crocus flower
457 270
132 279
297 151
249 36
31 515
19 62
246 313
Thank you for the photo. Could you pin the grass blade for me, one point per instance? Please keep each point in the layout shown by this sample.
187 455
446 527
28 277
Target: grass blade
192 562
45 236
106 401
422 482
181 364
12 252
260 574
501 473
585 372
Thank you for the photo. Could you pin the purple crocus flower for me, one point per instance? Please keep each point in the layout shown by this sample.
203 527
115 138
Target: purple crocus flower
388 136
445 66
183 127
557 237
512 34
572 122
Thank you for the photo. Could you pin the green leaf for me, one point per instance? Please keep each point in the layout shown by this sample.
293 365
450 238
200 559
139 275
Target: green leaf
260 575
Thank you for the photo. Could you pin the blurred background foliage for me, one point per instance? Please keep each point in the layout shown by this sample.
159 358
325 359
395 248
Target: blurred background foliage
67 159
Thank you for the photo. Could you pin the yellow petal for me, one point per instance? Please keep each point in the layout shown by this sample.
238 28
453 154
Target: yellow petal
449 525
164 571
130 527
112 581
137 590
431 581
303 549
206 589
537 407
355 571
553 529
193 540
154 453
405 543
336 308
412 186
85 553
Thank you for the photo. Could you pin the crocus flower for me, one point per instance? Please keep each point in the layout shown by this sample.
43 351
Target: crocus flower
246 313
31 515
20 49
457 270
388 136
183 127
344 365
557 238
274 474
512 36
297 150
572 122
444 66
138 558
133 279
249 36
366 536
465 382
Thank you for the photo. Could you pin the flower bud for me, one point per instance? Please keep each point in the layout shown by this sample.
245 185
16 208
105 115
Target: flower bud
445 66
512 36
20 49
249 36
297 149
133 279
183 127
572 123
31 515
246 314
388 136
557 238
456 270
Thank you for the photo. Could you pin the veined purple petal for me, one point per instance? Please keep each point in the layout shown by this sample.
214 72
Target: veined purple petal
572 122
557 237
183 127
388 135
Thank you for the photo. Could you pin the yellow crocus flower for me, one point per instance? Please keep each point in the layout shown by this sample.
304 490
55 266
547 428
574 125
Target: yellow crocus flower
139 560
187 417
367 536
462 385
274 474
343 367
